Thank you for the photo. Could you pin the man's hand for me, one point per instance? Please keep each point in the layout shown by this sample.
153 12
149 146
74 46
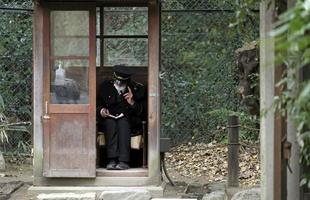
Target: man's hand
104 112
129 97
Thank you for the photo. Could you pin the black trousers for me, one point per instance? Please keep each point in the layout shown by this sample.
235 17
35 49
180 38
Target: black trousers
117 136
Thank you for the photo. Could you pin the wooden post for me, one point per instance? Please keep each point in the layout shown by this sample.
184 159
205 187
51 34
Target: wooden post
280 131
37 89
233 151
154 91
144 162
267 66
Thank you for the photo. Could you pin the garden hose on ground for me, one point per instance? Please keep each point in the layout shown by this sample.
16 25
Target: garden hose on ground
164 169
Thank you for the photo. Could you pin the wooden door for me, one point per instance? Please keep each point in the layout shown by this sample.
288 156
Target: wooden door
69 92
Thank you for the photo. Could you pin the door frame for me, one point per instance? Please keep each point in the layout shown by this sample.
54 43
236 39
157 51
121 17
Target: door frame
89 108
40 9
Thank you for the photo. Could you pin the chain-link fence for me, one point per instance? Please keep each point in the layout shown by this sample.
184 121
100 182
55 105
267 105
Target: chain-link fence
15 77
199 72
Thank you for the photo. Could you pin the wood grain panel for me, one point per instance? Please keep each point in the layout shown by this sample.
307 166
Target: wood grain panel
154 92
68 108
92 89
69 129
69 139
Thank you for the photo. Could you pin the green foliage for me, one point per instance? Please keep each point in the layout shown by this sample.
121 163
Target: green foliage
198 4
3 120
6 127
249 125
15 76
292 47
24 4
16 61
198 72
245 13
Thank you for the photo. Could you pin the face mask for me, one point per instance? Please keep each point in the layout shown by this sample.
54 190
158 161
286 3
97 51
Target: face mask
120 86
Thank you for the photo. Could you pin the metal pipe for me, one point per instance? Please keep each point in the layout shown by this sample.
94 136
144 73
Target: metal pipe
16 9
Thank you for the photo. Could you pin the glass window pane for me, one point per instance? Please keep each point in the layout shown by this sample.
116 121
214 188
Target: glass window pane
98 21
133 52
98 56
69 82
69 33
125 21
70 47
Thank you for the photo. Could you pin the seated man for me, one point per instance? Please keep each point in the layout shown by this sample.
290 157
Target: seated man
121 107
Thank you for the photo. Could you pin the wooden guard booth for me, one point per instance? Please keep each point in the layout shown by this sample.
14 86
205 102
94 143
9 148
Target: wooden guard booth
67 37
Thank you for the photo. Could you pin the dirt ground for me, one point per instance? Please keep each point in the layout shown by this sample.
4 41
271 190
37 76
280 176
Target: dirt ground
207 163
18 172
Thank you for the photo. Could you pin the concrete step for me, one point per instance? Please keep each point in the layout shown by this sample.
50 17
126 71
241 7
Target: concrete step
86 196
171 199
155 191
67 196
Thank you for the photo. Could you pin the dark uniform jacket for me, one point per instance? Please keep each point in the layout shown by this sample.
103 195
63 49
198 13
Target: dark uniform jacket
108 97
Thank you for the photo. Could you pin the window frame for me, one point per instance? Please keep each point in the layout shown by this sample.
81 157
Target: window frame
103 36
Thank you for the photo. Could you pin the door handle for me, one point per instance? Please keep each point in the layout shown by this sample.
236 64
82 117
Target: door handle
46 116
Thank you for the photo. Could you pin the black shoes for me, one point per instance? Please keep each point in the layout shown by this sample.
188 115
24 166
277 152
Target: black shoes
122 166
112 165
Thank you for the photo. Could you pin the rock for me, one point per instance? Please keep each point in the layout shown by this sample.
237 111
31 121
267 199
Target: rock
67 196
217 186
125 195
8 188
2 163
217 195
4 196
251 194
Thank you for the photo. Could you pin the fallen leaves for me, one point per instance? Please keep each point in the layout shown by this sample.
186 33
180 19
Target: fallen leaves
210 161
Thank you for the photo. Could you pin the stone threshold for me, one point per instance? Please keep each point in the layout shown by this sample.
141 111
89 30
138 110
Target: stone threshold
171 199
155 191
